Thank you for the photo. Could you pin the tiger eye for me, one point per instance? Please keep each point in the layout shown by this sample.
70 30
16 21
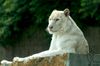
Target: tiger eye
56 19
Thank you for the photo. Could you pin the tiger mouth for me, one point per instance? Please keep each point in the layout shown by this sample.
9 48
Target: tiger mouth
51 30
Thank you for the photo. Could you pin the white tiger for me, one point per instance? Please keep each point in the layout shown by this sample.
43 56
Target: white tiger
66 34
66 37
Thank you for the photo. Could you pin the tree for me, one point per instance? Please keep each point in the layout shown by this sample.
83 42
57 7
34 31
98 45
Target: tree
16 16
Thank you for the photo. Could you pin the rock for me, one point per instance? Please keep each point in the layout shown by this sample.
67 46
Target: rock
69 59
58 60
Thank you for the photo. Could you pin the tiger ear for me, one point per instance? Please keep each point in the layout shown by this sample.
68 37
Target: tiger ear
66 12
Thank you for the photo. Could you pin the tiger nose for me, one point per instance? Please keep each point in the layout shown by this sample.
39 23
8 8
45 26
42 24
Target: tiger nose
50 27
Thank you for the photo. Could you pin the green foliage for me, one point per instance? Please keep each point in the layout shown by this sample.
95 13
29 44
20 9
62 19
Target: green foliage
90 9
16 16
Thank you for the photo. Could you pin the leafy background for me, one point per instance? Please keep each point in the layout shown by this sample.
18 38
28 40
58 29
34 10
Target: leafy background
19 18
